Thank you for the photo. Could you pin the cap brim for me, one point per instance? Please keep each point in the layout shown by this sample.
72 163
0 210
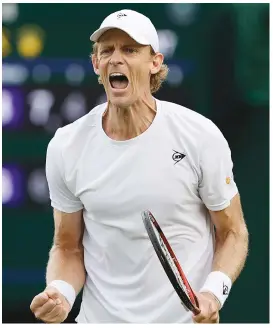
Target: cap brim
98 33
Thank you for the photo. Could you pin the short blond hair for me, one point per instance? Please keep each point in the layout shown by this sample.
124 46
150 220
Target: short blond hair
156 80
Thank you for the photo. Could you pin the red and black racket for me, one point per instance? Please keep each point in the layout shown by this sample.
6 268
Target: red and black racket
170 263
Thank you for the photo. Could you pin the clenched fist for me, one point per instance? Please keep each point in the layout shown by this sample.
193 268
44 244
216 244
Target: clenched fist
209 309
50 306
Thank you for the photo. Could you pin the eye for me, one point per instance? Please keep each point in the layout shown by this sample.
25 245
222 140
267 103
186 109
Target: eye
104 51
130 50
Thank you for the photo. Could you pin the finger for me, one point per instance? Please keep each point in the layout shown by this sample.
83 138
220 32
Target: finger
38 301
46 308
210 318
56 315
198 319
203 315
204 320
214 318
52 293
213 314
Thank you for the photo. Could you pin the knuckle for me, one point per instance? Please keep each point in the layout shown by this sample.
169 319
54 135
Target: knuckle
40 296
52 291
214 311
55 319
57 311
54 294
51 319
50 302
215 317
205 315
37 315
198 318
45 318
60 308
213 306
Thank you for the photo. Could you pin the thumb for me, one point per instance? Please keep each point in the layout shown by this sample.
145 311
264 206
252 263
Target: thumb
43 296
38 301
53 293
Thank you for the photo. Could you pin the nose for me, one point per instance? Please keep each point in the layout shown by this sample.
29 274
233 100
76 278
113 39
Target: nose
116 58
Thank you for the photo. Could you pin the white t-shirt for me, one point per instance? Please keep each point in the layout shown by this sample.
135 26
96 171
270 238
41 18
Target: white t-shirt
179 166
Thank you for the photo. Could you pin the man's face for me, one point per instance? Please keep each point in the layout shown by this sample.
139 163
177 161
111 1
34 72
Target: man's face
124 67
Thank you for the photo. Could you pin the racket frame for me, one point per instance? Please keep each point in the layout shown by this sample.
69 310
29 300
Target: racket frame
189 301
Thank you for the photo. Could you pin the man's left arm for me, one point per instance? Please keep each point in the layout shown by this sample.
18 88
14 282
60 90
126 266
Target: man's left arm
231 239
231 250
220 195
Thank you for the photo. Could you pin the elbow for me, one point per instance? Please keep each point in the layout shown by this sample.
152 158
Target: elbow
242 233
238 234
245 234
67 249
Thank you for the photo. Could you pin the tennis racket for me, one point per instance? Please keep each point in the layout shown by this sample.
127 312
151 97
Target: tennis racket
170 263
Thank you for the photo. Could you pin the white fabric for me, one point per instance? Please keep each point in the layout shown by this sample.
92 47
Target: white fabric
113 181
65 289
138 26
219 284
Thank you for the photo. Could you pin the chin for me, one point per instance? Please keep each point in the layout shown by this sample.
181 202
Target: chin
122 99
122 103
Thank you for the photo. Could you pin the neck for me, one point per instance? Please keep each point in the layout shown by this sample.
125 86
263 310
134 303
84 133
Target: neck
121 123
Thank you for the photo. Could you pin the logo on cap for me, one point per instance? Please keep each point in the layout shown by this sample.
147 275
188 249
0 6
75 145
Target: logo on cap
121 15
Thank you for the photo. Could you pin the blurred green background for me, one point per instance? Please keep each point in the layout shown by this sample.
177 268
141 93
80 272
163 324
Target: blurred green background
218 56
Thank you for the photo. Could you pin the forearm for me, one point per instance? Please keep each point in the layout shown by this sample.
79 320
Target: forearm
231 252
67 265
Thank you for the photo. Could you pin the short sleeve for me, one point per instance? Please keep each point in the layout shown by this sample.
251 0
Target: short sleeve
216 186
61 197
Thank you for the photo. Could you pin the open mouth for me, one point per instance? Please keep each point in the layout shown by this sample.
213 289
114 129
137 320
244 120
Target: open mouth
118 81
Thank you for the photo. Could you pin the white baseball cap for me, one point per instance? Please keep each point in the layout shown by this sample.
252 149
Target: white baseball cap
136 25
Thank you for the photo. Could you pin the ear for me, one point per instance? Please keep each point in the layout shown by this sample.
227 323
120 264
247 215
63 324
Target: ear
157 63
95 63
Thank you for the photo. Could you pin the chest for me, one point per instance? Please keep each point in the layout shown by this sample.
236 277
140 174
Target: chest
111 180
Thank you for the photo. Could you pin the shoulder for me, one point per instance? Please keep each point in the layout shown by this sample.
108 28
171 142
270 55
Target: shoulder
189 122
74 133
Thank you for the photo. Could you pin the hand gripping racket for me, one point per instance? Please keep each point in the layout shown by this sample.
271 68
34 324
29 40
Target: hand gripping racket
170 263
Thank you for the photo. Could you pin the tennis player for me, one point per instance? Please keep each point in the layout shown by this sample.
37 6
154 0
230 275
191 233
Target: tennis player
133 153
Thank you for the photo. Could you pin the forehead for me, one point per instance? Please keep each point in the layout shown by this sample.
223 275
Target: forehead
116 36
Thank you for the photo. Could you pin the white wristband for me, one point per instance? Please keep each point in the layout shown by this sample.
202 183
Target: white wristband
65 289
219 284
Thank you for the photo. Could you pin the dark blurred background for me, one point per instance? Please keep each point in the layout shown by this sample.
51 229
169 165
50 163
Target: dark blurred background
218 56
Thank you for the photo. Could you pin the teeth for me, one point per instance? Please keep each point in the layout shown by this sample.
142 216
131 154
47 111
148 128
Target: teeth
117 74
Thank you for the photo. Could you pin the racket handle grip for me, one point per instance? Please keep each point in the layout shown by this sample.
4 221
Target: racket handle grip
196 308
196 311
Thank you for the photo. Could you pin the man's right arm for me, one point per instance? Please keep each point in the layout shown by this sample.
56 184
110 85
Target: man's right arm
65 275
65 264
66 255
